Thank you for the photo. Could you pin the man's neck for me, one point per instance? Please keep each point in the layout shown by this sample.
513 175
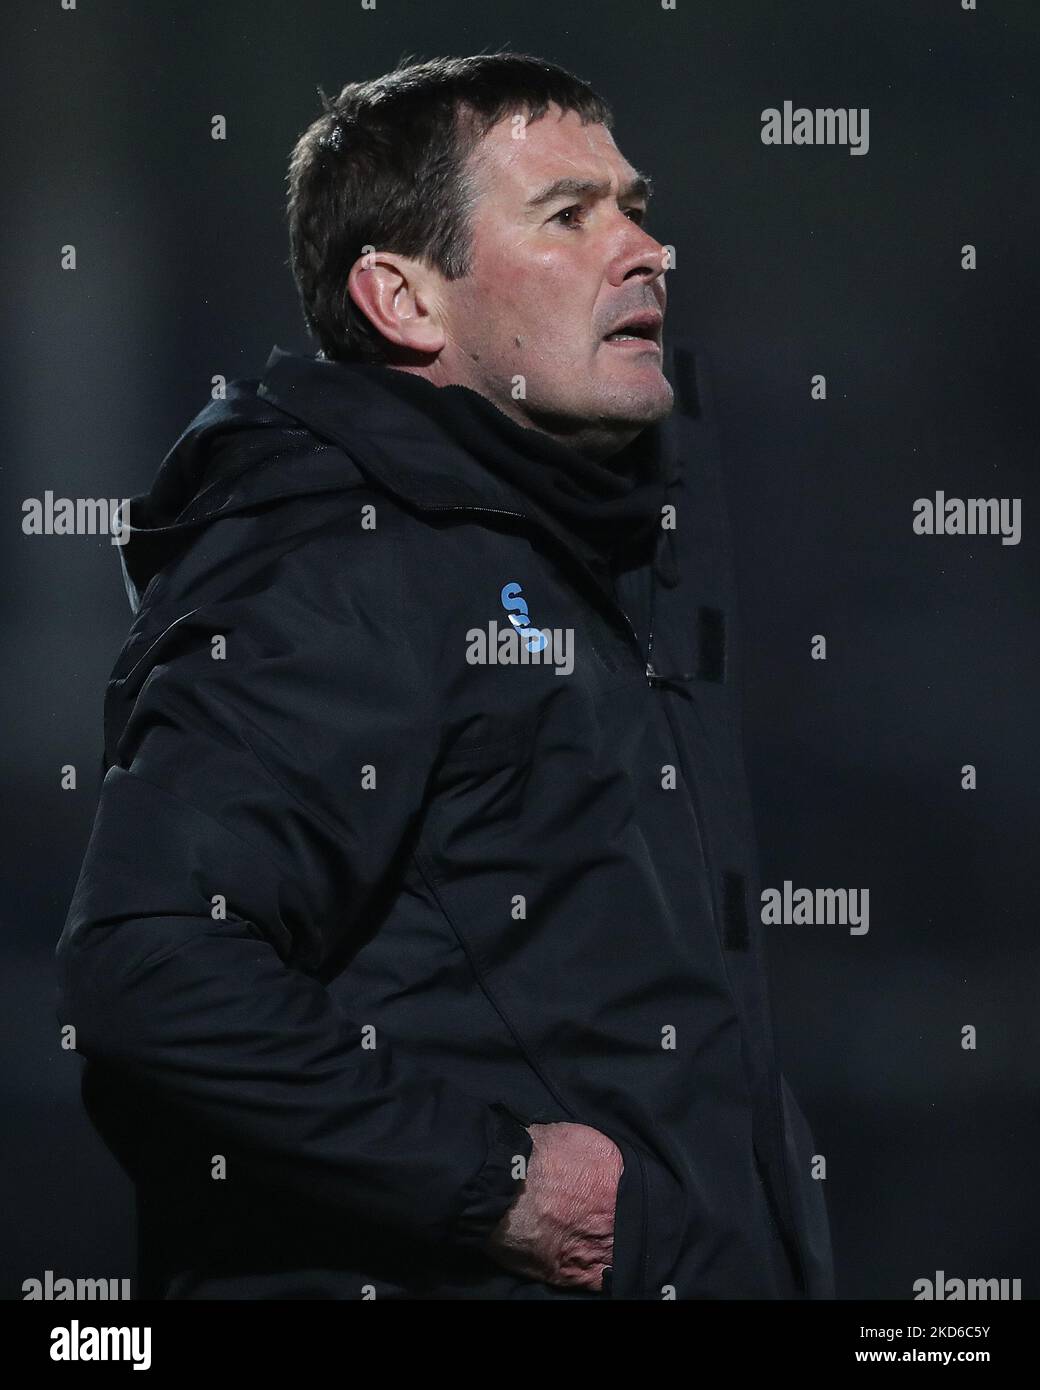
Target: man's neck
595 440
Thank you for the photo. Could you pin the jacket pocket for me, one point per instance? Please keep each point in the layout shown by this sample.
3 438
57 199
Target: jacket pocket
649 1223
626 1279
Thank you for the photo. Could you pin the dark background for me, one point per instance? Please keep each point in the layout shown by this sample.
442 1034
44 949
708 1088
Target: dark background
790 261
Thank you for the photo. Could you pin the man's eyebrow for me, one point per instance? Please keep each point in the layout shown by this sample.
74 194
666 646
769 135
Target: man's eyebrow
639 187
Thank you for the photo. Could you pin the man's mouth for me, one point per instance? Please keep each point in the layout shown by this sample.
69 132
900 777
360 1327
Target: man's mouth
643 328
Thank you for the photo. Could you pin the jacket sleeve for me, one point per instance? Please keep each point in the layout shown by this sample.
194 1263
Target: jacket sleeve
264 792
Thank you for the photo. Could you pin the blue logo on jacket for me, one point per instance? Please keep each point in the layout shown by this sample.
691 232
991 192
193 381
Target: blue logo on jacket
515 605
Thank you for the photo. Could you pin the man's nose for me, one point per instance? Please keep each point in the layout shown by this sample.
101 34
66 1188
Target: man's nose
640 258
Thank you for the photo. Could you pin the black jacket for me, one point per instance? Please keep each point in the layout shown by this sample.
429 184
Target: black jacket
354 909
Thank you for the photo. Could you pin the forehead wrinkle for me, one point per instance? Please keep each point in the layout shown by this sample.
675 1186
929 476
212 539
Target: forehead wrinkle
600 148
630 182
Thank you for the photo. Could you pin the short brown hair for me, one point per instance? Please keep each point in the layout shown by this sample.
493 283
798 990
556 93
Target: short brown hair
385 166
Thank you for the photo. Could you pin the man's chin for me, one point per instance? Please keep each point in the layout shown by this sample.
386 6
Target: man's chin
644 397
611 409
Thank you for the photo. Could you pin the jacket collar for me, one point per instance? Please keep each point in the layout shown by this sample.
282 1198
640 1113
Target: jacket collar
349 406
353 407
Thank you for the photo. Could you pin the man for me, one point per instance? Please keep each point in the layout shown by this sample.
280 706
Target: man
414 952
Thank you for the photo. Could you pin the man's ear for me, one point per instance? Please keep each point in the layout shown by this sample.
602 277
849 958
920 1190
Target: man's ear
398 296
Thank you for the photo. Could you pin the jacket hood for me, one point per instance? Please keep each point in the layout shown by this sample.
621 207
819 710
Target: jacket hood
257 446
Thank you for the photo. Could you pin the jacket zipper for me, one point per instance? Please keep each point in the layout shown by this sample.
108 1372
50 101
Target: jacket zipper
651 674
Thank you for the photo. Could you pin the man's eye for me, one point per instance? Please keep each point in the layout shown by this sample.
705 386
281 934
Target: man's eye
574 216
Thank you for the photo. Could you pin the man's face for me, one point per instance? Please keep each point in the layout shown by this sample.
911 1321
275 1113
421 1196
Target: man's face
559 261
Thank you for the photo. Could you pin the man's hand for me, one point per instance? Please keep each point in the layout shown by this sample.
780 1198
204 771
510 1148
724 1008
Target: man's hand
560 1229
